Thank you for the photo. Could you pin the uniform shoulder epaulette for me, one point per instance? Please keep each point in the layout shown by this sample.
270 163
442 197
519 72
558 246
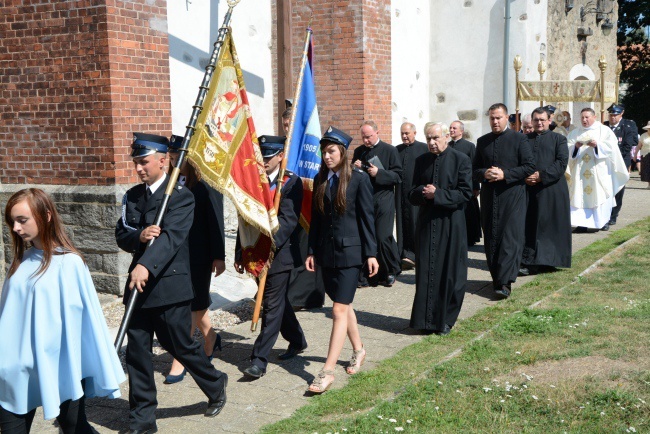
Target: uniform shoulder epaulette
288 172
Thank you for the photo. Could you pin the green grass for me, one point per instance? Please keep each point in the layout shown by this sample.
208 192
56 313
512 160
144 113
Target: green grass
589 346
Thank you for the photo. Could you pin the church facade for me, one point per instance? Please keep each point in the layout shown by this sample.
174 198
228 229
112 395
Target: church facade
78 77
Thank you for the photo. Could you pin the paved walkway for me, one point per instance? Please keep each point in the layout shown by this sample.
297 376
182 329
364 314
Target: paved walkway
383 315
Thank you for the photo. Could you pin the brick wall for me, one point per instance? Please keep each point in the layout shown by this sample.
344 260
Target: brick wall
351 60
76 77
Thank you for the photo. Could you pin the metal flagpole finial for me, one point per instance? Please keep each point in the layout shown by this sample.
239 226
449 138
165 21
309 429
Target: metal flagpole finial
311 19
233 3
602 63
541 68
518 63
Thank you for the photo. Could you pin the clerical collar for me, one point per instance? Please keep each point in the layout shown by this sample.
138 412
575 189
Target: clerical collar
153 187
378 140
332 173
543 132
454 141
273 175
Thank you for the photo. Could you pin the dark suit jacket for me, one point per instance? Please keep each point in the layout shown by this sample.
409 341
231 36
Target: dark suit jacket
339 241
287 245
207 237
628 136
168 257
287 253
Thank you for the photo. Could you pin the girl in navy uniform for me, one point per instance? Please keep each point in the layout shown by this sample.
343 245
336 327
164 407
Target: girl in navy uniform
341 240
207 253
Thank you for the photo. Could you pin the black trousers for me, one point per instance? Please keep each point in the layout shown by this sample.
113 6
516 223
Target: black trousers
170 324
72 419
277 318
619 204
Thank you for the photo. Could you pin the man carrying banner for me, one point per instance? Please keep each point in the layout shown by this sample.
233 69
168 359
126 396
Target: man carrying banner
160 273
277 315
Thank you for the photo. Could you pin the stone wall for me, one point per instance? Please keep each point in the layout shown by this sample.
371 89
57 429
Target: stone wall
89 214
567 50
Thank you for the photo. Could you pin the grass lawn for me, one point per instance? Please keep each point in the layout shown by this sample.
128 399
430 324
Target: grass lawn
578 362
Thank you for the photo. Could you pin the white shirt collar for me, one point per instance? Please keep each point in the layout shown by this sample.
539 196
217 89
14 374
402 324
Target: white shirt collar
153 187
331 173
273 175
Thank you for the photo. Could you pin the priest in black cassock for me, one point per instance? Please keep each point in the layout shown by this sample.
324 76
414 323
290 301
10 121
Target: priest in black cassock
408 151
548 218
472 210
442 186
381 161
502 162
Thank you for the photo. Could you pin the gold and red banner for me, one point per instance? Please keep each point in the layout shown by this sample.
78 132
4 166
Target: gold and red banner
565 91
224 149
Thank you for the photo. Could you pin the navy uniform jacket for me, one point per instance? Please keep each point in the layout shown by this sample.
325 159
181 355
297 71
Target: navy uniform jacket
287 248
628 136
168 257
207 236
339 241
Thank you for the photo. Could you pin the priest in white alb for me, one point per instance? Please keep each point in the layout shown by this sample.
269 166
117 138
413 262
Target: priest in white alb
596 172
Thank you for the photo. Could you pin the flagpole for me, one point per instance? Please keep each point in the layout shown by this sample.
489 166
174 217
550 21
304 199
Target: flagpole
283 166
197 108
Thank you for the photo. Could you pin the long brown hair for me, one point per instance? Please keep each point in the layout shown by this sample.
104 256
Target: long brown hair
320 183
50 231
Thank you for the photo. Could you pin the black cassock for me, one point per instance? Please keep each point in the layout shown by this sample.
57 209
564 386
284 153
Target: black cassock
406 212
441 245
503 203
384 185
548 219
472 210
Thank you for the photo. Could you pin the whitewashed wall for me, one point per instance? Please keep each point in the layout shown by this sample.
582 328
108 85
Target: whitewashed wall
410 64
193 27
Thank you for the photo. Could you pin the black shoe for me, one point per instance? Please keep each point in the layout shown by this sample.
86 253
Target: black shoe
523 271
605 228
254 371
390 280
580 230
144 431
291 353
612 222
503 292
363 284
444 331
215 407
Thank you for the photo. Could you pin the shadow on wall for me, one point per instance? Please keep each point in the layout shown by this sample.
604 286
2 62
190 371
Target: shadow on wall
198 59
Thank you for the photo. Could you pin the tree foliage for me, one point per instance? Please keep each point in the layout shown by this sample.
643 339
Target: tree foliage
634 54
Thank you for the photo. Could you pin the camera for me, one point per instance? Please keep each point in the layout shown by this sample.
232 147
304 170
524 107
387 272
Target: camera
365 166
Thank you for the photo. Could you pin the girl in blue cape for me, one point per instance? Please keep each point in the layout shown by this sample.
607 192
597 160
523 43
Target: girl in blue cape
55 349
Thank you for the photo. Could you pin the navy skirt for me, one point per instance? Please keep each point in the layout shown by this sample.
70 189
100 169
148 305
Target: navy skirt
341 283
201 277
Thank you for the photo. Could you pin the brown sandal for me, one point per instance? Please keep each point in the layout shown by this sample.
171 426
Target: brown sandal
357 359
318 385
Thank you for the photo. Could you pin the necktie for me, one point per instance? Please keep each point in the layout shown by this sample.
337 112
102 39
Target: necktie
334 183
147 194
